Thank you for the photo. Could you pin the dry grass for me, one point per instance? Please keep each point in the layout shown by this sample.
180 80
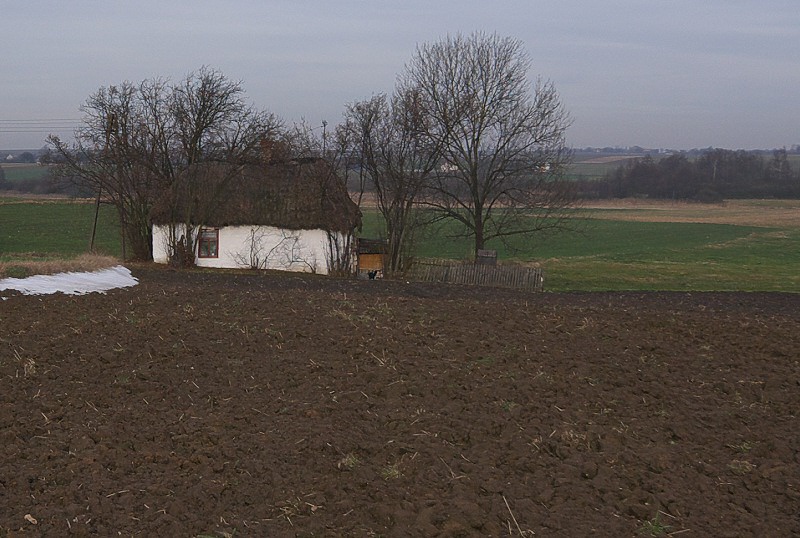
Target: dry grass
22 265
766 213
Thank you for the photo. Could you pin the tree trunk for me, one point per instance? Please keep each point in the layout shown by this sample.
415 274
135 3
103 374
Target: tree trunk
478 229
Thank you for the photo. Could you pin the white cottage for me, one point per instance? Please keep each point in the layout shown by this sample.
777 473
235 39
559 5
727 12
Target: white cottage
285 214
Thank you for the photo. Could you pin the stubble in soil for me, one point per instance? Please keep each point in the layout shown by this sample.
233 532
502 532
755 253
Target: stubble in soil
201 403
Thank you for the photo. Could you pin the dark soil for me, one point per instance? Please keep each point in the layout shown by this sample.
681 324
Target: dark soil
219 404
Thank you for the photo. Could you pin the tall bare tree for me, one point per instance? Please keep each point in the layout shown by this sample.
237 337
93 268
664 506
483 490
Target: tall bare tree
179 144
212 133
500 138
108 158
398 162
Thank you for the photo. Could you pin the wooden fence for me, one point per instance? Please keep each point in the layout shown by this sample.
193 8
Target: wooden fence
501 276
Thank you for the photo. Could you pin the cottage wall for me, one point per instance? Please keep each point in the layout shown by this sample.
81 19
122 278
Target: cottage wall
262 247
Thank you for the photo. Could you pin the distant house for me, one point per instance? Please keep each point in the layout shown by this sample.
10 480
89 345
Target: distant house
285 214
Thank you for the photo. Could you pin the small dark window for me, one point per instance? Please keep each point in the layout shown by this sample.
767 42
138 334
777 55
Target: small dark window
208 246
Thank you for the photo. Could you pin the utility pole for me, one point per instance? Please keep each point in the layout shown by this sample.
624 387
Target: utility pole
111 122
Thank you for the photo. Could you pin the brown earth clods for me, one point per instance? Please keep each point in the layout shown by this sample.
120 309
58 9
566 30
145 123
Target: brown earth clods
218 404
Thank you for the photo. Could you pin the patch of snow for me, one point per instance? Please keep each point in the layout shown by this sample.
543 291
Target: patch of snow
72 283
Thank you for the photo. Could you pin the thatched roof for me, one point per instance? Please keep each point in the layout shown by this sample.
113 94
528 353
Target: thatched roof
286 193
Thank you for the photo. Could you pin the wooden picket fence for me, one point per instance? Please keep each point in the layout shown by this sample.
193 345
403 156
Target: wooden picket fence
502 276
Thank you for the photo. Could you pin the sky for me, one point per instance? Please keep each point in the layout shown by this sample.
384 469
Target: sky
676 74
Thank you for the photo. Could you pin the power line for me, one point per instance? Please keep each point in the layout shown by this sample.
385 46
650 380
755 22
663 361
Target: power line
48 120
37 123
41 130
35 126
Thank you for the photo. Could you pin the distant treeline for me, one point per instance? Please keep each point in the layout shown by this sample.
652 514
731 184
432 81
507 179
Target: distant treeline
708 176
713 176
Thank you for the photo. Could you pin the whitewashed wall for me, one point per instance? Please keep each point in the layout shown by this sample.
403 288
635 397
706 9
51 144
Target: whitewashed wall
264 247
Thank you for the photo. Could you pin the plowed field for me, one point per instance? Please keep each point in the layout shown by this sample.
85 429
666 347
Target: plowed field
218 404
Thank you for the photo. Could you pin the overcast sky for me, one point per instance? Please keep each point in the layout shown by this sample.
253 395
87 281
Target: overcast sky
658 73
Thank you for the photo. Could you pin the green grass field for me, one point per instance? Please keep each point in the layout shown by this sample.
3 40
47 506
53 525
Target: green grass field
55 228
674 256
15 173
600 254
627 255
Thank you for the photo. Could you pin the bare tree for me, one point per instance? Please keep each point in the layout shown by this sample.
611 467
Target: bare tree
386 135
109 158
213 134
182 145
500 139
